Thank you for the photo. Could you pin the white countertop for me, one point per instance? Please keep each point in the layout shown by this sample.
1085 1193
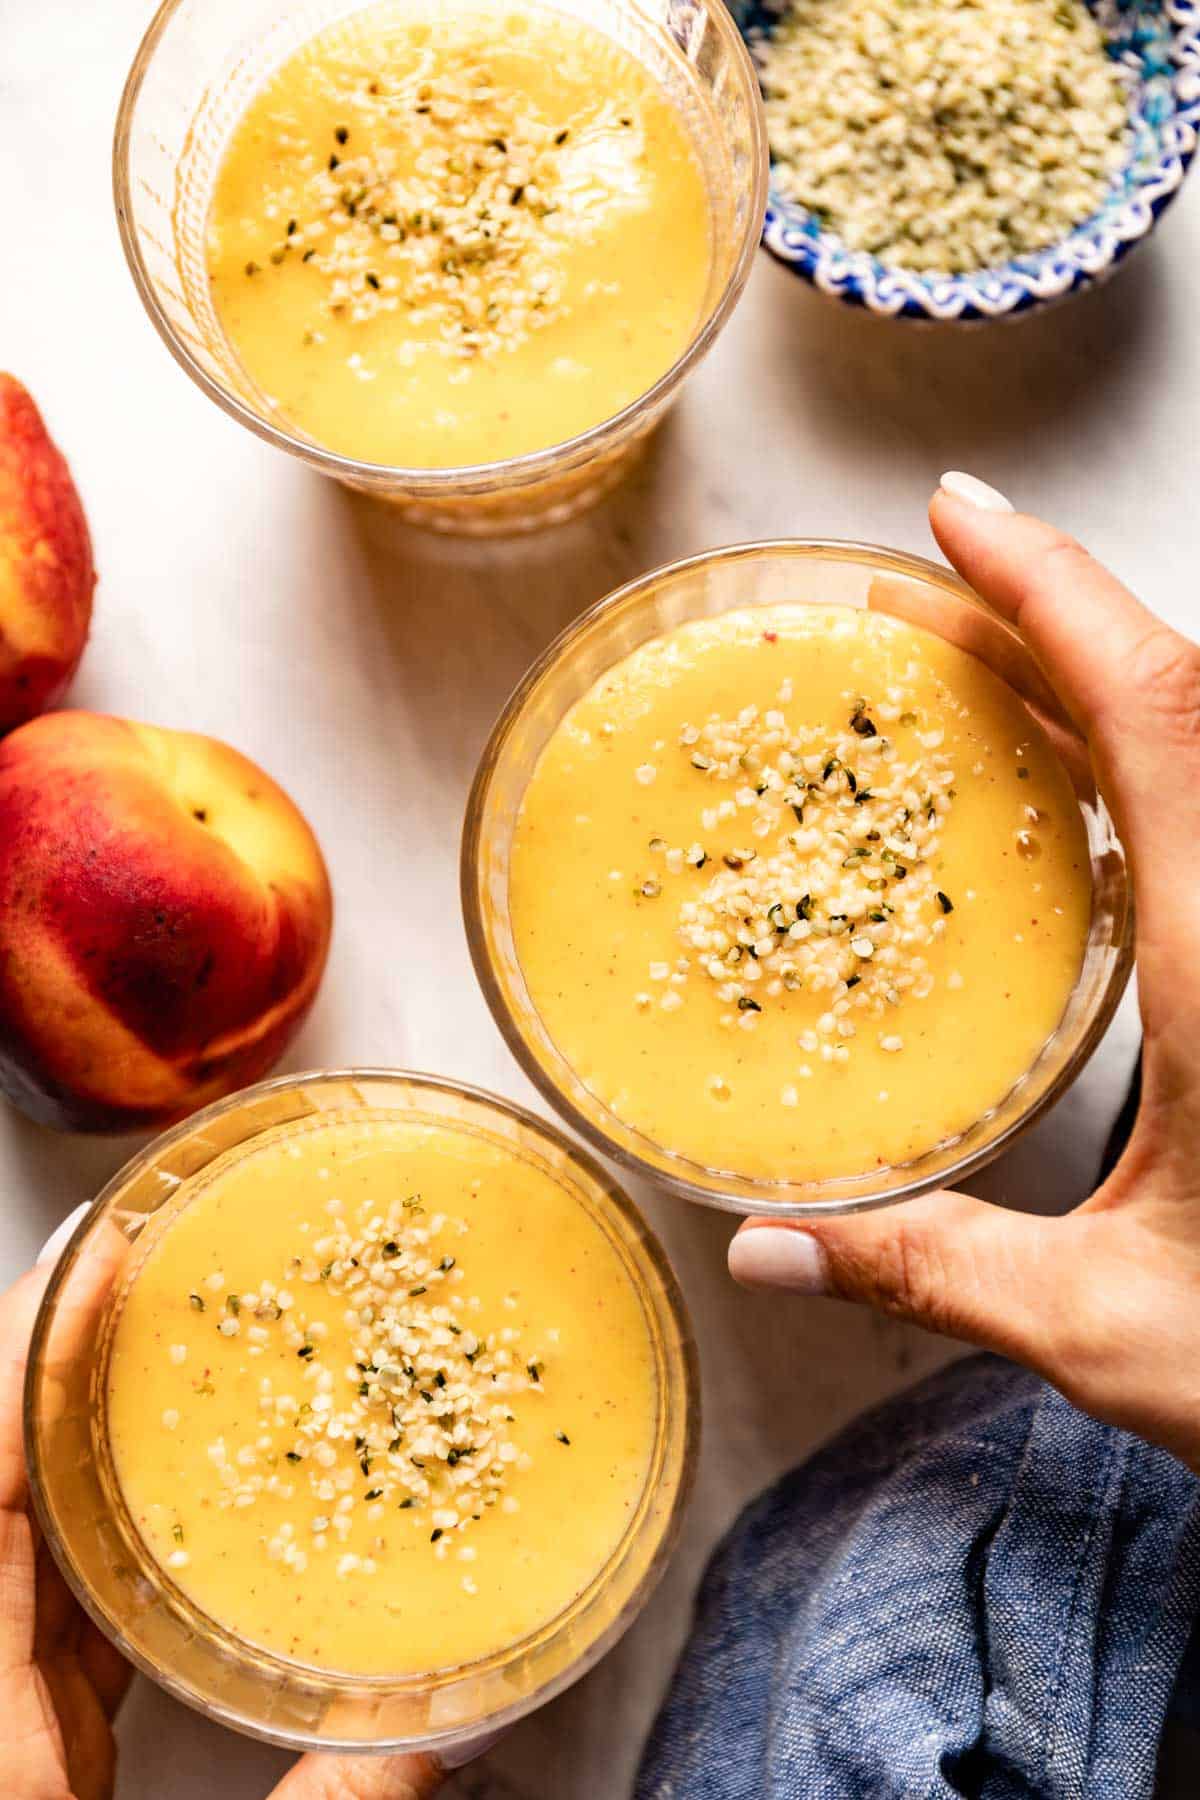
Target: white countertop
363 664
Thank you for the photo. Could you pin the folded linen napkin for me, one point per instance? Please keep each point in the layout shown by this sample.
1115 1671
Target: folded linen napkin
974 1591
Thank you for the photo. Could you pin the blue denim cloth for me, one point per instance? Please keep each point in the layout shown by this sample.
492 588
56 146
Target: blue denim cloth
974 1591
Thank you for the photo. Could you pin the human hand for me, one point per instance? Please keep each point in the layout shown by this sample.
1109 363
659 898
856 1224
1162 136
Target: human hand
61 1681
1104 1302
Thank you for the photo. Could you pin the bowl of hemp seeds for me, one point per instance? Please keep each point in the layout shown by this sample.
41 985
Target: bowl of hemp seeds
970 159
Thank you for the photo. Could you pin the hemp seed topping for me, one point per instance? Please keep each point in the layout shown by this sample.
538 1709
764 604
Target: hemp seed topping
944 135
418 1420
829 889
453 200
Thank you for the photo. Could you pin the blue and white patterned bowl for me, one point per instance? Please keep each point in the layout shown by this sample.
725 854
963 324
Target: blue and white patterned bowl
1158 42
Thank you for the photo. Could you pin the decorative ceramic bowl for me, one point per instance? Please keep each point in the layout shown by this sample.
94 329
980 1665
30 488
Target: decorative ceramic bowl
1158 42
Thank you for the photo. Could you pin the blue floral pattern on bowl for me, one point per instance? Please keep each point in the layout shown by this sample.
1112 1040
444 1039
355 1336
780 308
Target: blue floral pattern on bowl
1158 43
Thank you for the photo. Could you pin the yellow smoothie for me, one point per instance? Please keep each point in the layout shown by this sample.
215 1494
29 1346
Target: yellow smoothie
799 892
381 1395
447 238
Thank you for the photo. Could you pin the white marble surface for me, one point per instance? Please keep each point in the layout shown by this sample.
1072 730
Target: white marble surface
363 665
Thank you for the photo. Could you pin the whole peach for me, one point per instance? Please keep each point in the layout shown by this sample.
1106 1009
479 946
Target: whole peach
164 921
46 569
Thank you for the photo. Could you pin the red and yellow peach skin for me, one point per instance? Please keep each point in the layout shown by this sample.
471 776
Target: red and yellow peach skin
165 916
46 569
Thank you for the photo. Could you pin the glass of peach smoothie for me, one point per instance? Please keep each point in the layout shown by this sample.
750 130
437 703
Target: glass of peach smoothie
362 1411
788 882
459 258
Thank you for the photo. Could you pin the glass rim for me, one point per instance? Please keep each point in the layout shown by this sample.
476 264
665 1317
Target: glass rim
531 464
641 1243
780 1198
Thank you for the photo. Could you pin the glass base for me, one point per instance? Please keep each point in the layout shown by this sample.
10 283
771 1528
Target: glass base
509 510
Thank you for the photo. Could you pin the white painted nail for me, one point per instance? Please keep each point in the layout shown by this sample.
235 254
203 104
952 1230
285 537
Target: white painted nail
780 1257
460 1754
974 492
57 1242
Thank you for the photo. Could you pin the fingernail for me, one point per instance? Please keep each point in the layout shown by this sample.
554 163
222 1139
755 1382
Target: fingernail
460 1754
974 492
781 1257
57 1242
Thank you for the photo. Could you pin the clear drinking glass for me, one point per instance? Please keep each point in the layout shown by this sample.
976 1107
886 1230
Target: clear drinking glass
750 575
133 1600
194 73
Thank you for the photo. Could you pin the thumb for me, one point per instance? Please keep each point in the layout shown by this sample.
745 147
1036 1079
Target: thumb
322 1777
948 1262
408 1777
